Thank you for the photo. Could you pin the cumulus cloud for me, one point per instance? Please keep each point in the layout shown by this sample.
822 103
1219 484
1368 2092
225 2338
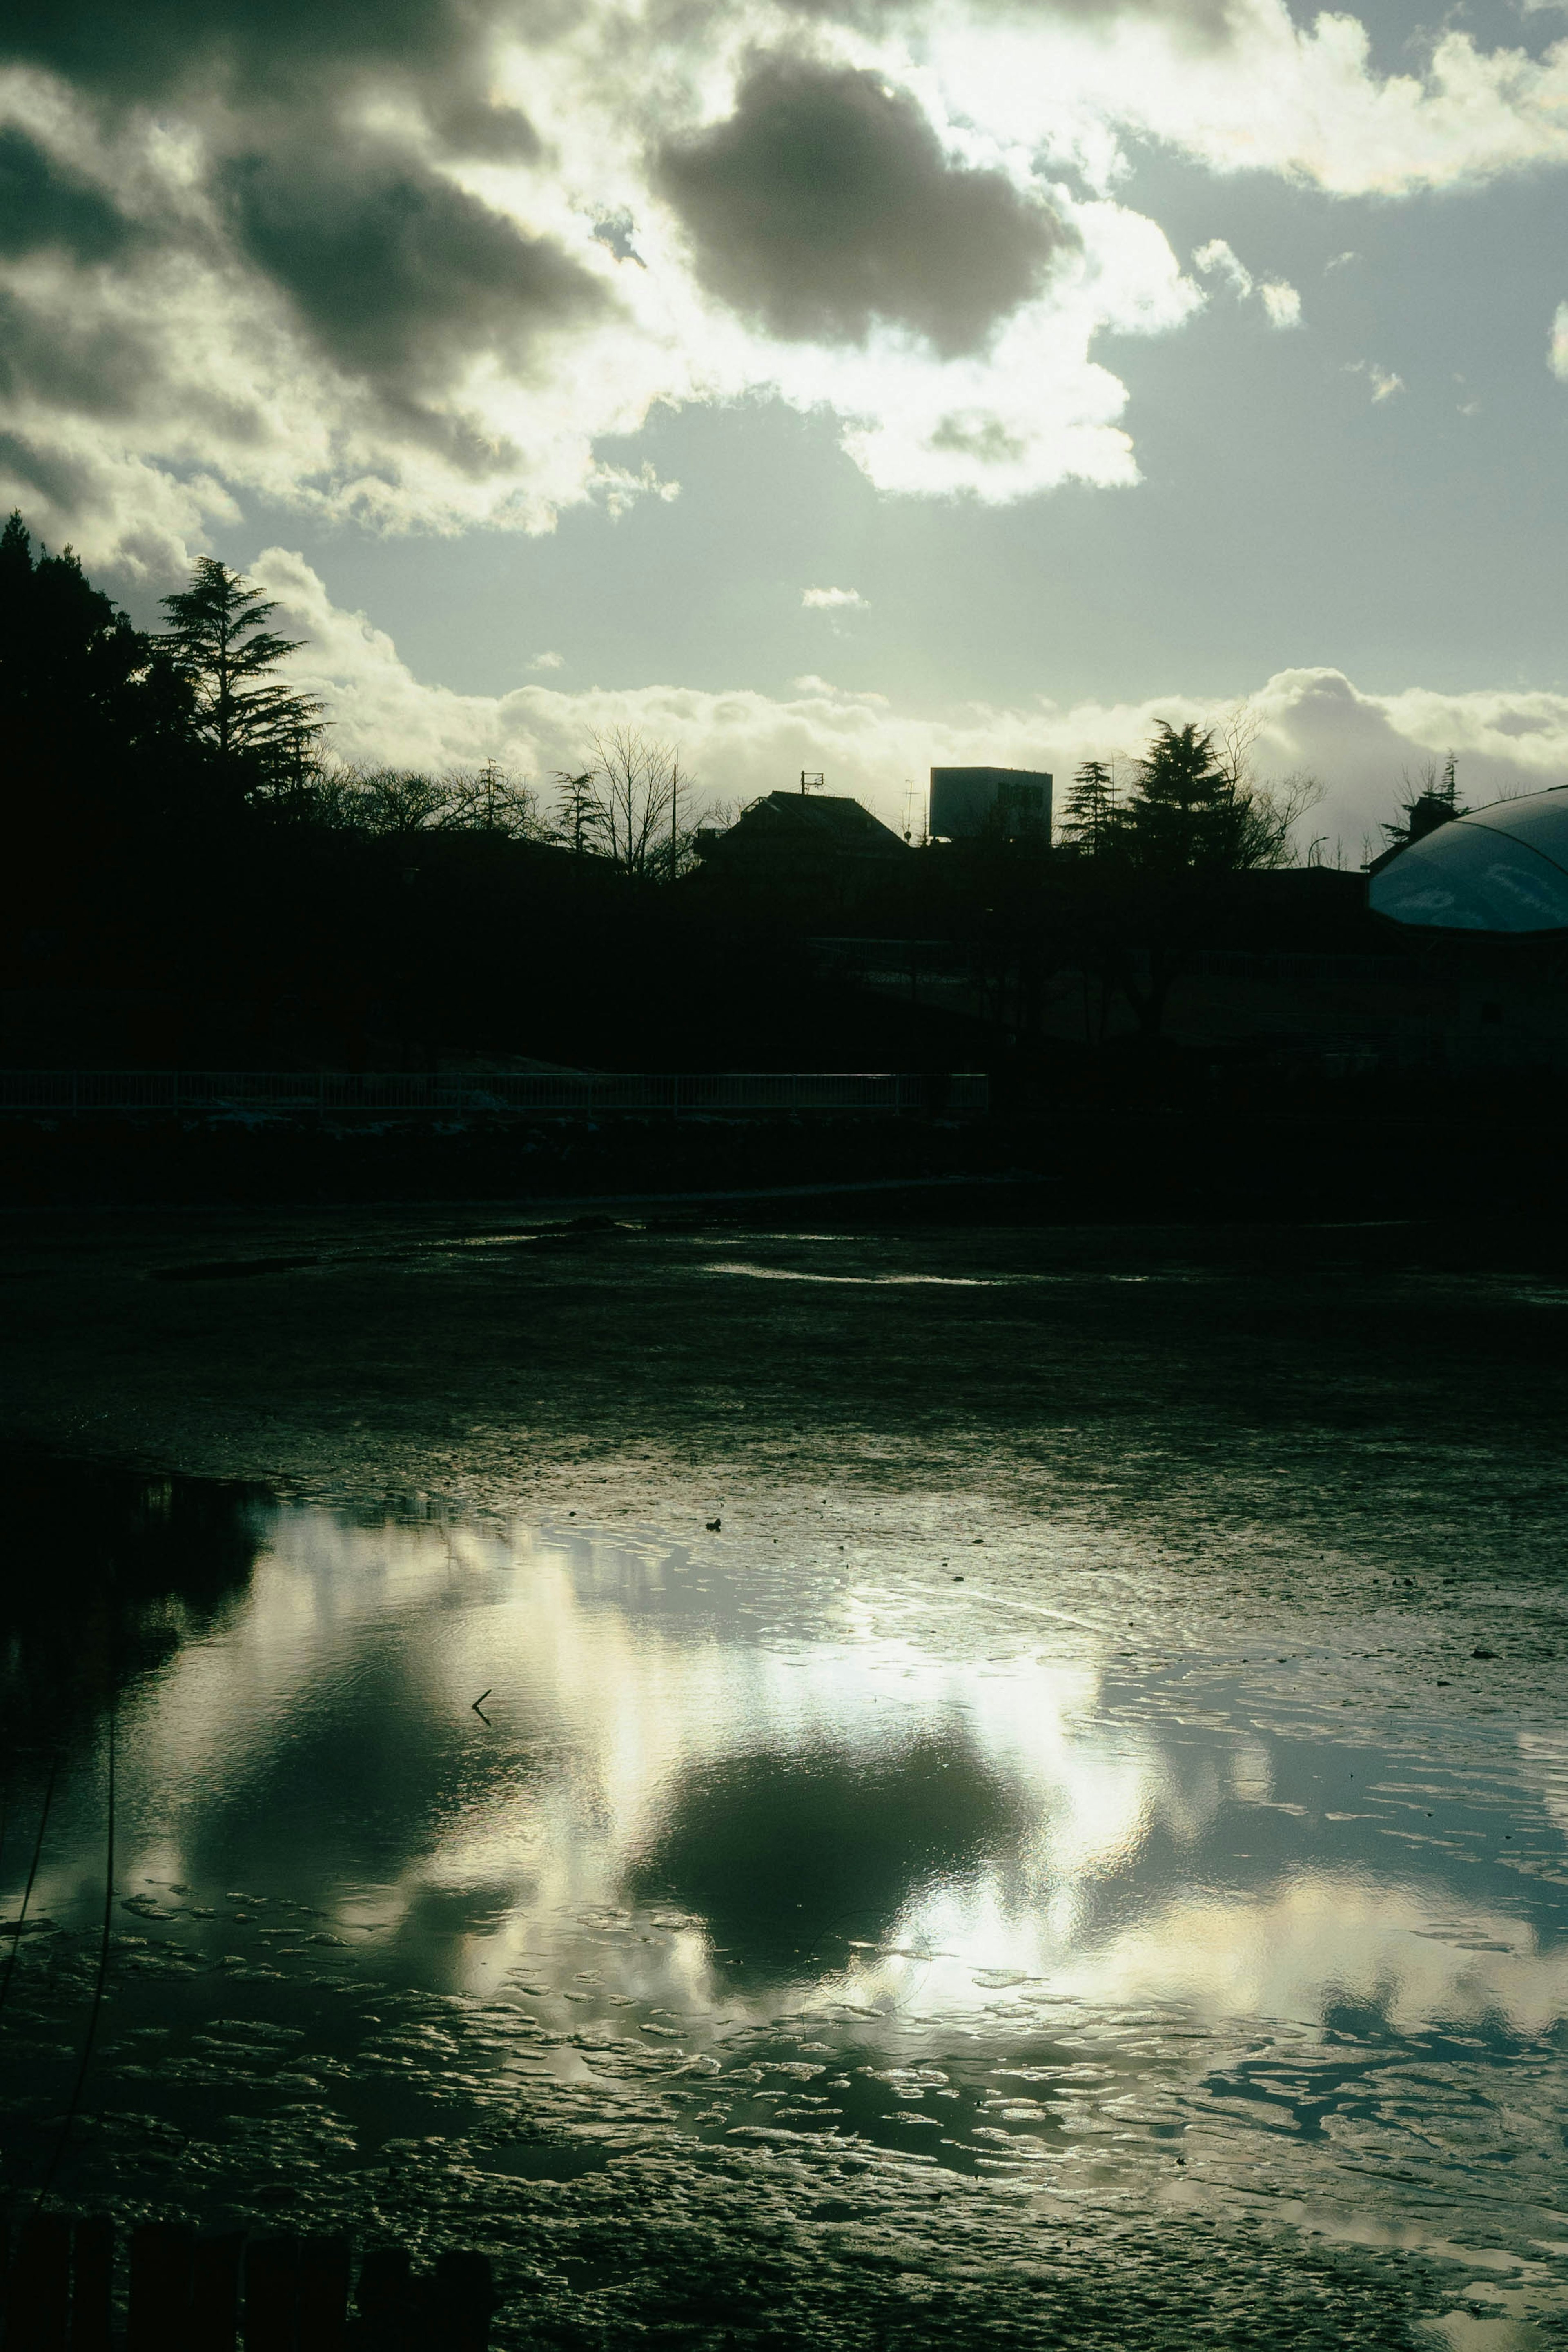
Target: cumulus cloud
419 264
398 275
824 203
740 743
1557 348
1215 260
1281 302
833 600
548 661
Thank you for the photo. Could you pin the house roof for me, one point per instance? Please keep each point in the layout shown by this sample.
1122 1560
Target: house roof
832 822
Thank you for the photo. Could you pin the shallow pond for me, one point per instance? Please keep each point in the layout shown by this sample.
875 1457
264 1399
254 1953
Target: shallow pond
462 1862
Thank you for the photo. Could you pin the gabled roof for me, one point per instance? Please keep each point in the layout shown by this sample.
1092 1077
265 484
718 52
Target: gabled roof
828 821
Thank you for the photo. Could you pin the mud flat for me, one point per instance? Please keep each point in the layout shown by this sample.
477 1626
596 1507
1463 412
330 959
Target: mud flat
1017 1796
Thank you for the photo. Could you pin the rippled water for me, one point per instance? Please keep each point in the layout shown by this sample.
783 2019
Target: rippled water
745 1858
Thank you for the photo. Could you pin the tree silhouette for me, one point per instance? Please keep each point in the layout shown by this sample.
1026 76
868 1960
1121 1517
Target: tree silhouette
80 687
1430 800
635 782
1182 812
1092 808
579 810
263 737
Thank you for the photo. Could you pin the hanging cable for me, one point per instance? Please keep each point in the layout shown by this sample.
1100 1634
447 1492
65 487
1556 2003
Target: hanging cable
33 1871
70 2114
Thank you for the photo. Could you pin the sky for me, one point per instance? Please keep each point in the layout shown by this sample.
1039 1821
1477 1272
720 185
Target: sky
857 385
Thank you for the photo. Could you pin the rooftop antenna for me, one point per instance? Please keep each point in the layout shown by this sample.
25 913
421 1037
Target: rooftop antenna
909 806
812 779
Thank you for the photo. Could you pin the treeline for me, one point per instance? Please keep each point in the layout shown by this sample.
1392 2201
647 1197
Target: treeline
202 706
182 836
193 877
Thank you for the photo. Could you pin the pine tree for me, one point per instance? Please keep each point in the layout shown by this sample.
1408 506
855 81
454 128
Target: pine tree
1186 810
1092 808
263 736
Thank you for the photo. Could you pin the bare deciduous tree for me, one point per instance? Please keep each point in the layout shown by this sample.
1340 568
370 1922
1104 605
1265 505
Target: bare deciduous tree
396 801
489 800
640 800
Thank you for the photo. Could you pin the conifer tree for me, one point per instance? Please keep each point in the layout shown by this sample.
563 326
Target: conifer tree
79 687
1185 808
579 807
263 736
1092 808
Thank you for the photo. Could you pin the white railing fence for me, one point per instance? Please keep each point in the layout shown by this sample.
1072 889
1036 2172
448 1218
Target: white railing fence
347 1093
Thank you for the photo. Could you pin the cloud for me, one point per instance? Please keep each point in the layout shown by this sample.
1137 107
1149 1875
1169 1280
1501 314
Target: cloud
833 600
740 743
1557 349
824 203
1215 260
1281 302
548 661
378 264
161 49
397 274
1385 384
94 368
44 204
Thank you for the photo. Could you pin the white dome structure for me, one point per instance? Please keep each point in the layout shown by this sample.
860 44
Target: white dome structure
1501 868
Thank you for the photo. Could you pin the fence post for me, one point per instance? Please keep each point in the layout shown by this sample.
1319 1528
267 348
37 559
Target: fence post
161 2253
92 2278
39 2284
214 2293
271 2293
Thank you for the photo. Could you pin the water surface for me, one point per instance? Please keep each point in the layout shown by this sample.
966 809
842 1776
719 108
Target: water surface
751 1857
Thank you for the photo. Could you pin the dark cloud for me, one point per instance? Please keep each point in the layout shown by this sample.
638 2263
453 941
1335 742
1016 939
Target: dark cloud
150 48
63 482
471 125
824 203
399 276
93 368
42 205
291 52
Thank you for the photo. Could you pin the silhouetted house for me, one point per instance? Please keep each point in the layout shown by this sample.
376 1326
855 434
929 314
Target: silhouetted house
816 846
967 803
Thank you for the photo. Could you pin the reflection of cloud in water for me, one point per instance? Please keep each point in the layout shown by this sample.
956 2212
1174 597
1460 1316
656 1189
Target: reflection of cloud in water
648 1747
774 1846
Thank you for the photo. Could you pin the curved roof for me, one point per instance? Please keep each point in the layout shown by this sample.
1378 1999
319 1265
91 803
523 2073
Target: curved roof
1502 869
